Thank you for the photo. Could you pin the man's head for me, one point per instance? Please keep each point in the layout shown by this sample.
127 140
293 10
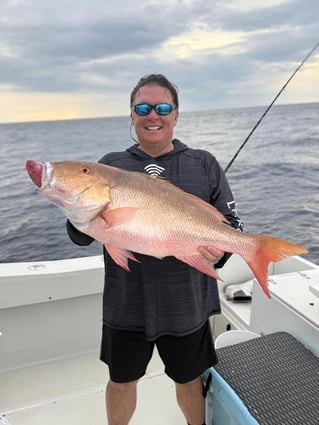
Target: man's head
154 113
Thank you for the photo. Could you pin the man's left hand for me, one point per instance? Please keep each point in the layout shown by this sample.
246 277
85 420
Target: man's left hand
211 253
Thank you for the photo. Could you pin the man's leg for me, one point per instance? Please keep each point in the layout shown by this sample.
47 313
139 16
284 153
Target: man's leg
191 401
120 402
186 358
127 355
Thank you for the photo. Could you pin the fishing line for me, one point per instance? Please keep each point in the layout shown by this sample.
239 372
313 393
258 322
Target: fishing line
267 110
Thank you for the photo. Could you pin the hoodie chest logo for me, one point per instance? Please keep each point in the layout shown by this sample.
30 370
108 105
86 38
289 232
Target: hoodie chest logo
154 169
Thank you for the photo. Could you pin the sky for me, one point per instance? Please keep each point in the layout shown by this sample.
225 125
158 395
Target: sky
65 59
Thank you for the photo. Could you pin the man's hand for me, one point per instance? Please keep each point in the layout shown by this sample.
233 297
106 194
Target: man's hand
211 253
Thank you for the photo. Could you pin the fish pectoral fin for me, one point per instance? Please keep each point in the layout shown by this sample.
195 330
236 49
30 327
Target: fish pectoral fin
118 216
202 264
120 256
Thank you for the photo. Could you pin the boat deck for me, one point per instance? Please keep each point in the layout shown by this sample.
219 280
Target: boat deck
56 393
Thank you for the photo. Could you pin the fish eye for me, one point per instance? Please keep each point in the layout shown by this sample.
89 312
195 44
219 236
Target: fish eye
86 170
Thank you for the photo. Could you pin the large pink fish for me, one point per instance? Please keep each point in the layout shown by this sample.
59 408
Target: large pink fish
134 212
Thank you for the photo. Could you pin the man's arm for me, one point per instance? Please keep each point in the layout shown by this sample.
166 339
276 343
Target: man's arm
76 236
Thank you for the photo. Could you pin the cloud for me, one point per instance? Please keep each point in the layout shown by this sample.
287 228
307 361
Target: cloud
213 50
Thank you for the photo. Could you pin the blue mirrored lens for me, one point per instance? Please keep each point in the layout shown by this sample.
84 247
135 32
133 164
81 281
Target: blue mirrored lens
160 109
163 108
142 109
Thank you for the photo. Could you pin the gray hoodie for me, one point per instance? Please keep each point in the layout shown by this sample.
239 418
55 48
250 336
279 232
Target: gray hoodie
165 297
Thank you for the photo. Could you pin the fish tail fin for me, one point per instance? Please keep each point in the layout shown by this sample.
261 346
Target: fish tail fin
269 249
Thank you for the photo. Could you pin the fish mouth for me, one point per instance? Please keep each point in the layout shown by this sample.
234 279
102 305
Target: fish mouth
41 174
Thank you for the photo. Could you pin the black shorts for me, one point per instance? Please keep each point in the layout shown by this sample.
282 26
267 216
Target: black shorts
185 358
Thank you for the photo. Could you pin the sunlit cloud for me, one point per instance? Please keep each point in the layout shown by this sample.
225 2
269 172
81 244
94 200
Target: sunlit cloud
198 41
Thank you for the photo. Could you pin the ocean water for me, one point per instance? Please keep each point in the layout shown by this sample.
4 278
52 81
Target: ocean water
275 179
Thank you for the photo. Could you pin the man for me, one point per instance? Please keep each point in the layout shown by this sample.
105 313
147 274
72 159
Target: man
163 302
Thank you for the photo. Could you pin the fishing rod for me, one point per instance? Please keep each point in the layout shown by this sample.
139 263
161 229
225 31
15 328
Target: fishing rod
267 110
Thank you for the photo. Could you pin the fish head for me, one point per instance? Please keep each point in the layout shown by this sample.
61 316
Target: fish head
76 187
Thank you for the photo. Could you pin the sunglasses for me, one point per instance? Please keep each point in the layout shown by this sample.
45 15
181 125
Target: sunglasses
143 109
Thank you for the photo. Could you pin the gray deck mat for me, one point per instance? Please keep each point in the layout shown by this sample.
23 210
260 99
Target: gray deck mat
276 377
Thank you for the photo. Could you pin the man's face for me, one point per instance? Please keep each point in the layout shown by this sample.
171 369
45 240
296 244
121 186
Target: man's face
154 129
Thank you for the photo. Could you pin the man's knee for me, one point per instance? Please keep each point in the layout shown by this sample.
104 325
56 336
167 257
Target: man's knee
122 386
193 384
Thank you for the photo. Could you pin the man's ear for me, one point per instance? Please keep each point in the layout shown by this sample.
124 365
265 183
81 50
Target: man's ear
175 118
